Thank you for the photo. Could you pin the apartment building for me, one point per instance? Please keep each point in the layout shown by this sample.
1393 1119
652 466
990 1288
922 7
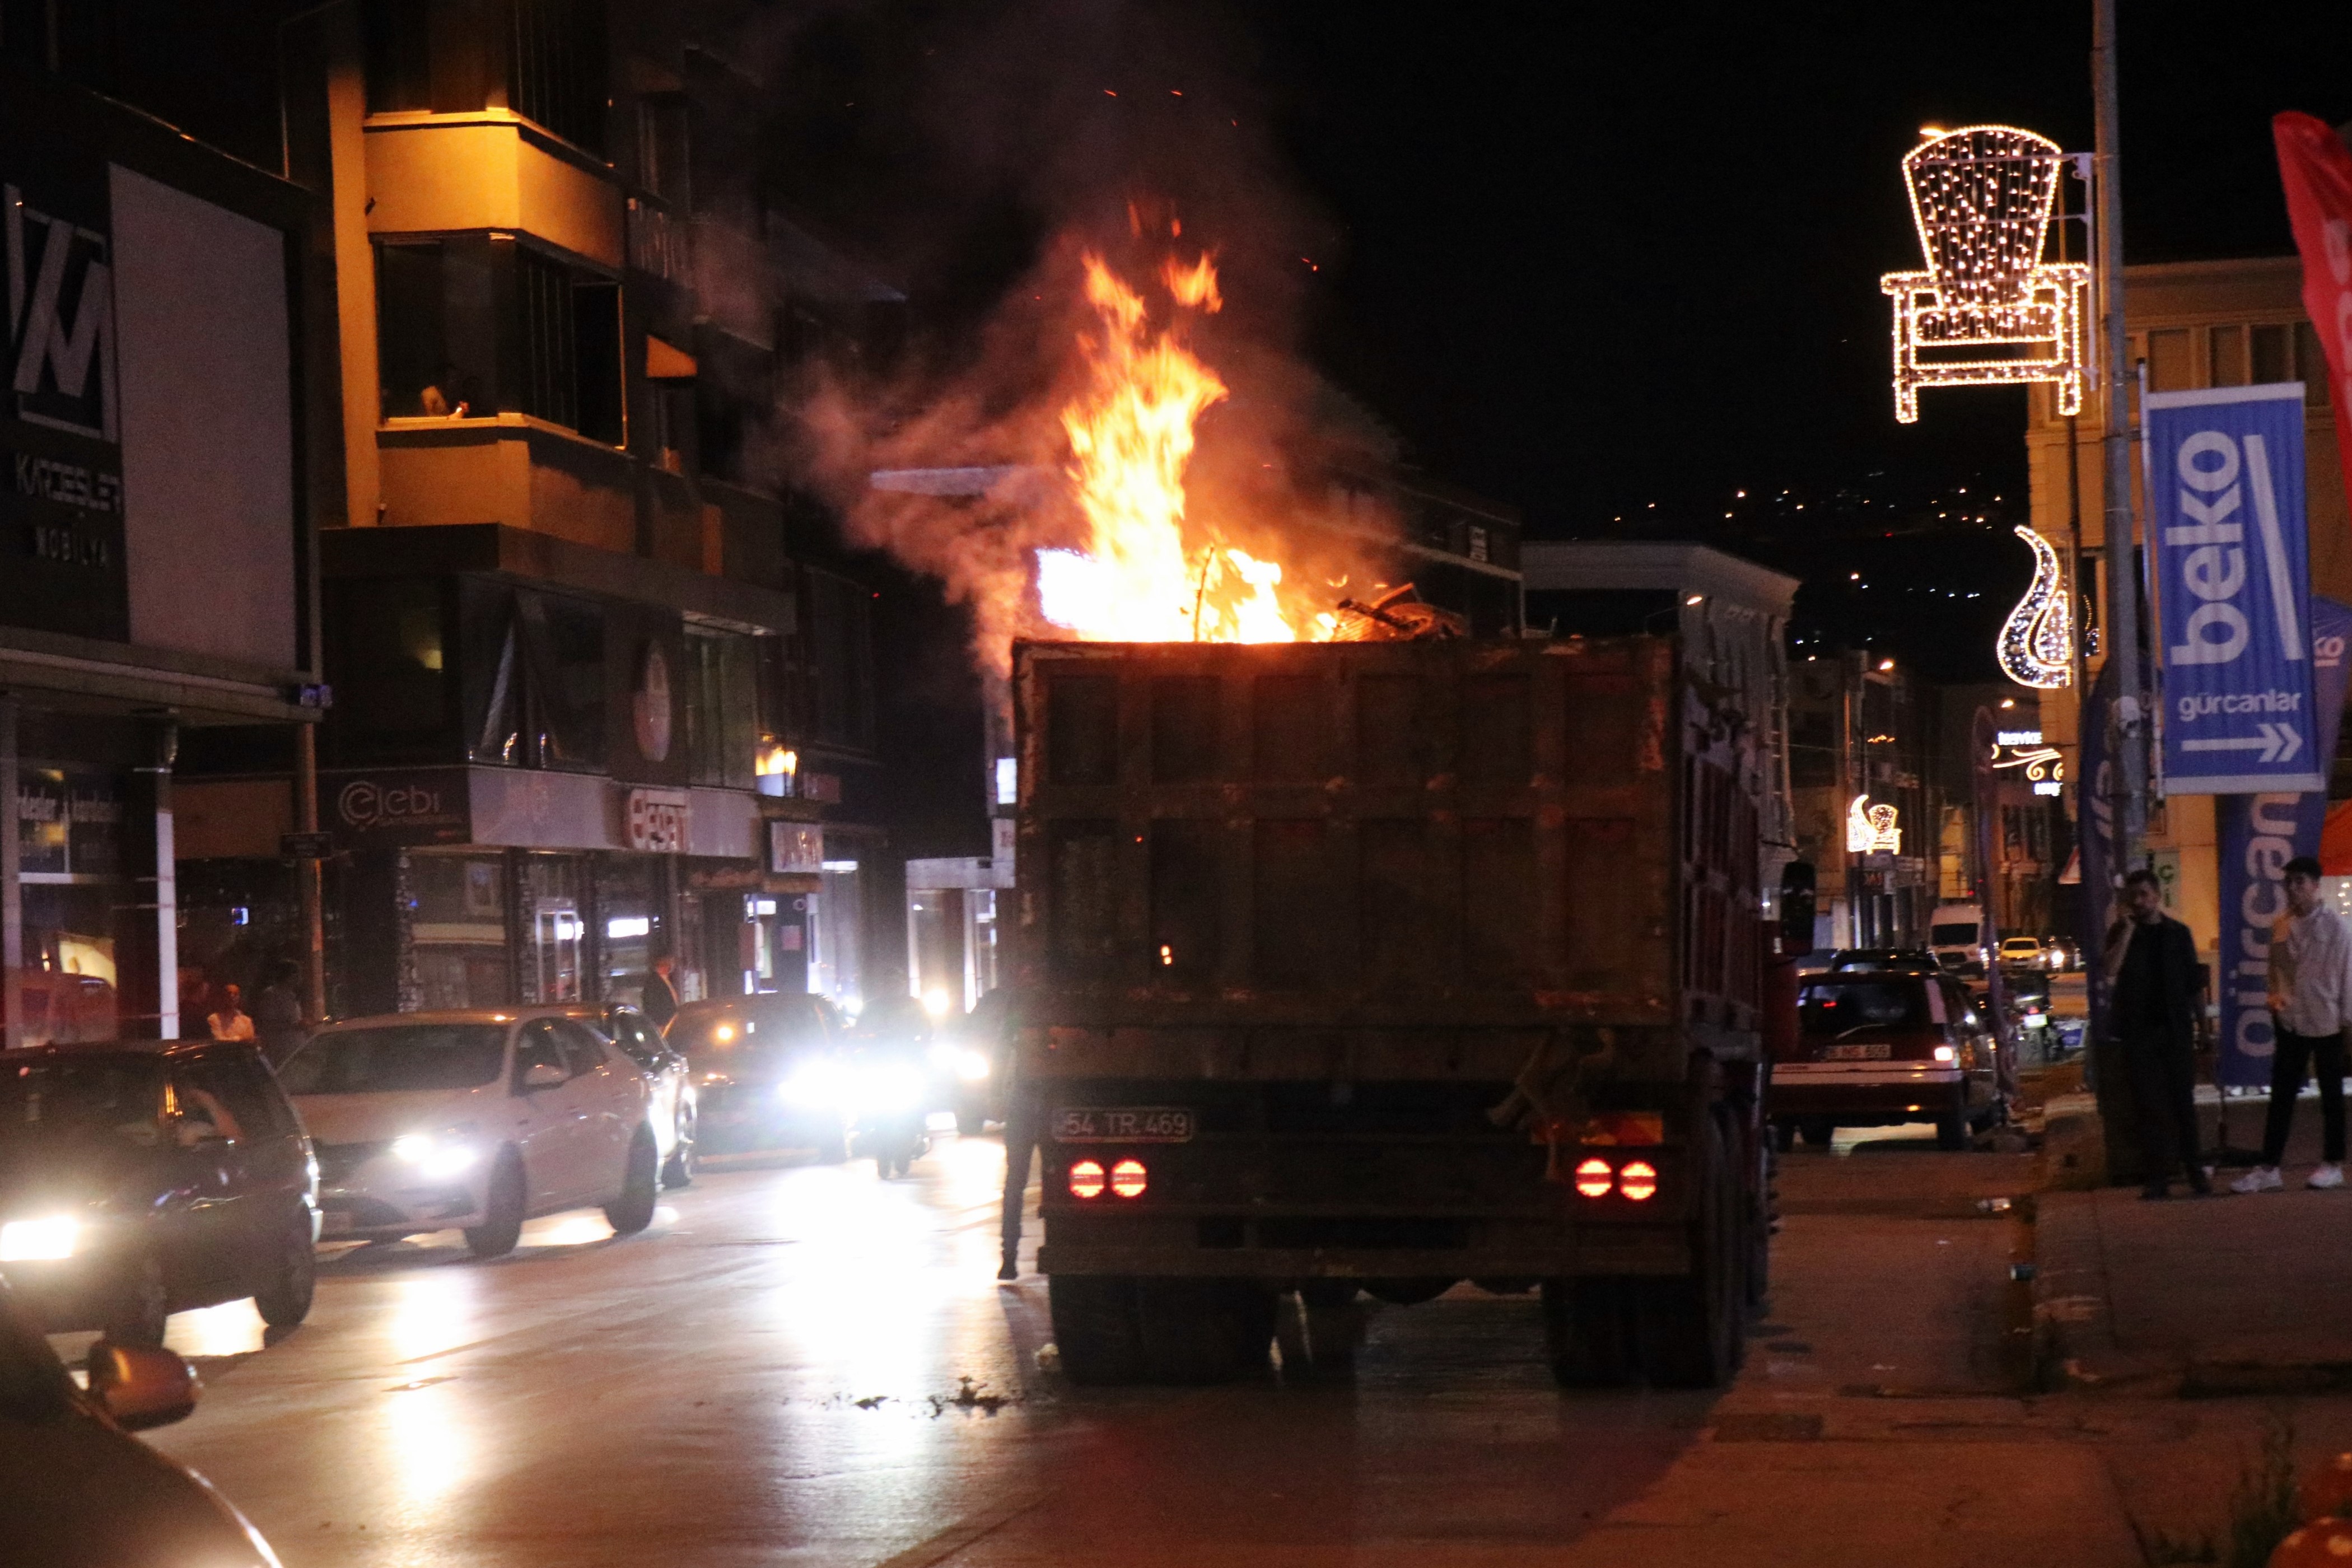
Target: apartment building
2191 324
587 708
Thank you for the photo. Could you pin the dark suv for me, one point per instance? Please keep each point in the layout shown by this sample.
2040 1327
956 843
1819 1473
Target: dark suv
140 1180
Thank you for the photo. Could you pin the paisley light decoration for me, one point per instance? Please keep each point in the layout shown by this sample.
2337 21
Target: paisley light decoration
2036 646
1872 829
1988 310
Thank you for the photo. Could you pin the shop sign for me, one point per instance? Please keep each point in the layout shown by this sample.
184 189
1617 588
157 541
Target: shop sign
659 820
796 848
408 805
2225 477
59 429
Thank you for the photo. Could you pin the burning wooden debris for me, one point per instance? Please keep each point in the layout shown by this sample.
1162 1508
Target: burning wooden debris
1400 615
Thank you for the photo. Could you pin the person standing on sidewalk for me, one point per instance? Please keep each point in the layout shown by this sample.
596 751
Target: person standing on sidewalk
2152 974
2310 989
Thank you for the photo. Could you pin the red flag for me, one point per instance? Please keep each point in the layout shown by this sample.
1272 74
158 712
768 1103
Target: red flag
2315 167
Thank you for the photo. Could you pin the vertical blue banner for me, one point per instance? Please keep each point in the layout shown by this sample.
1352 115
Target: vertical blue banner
2258 835
2225 497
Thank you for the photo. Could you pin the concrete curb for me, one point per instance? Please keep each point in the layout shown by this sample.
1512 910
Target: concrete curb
2073 1327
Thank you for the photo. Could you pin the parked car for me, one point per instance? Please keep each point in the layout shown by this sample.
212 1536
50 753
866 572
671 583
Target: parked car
2023 953
141 1179
1893 960
474 1120
672 1105
769 1072
1880 1048
76 1489
2063 951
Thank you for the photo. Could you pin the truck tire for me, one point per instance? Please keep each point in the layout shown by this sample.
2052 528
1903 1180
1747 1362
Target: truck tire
1817 1131
1690 1327
1095 1329
1334 1322
1587 1332
1952 1131
1203 1331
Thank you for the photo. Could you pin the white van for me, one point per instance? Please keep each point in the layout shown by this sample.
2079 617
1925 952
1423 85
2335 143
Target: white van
1956 933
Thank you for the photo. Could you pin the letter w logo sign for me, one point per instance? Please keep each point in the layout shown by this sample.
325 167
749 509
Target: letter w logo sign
60 362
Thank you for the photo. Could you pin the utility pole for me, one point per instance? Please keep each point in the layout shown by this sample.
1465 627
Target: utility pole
2122 638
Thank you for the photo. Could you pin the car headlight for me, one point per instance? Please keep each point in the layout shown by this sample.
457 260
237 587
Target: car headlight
39 1240
724 1033
972 1067
816 1086
437 1154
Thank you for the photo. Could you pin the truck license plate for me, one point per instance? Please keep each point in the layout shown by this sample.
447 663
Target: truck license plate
1870 1053
1122 1124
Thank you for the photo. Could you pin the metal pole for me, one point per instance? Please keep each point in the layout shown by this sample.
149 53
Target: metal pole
310 869
2122 636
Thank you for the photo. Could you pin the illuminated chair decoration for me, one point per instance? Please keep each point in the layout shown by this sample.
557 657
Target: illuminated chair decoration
1989 311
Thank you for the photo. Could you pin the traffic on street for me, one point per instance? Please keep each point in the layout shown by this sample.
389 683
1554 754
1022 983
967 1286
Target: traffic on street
1115 782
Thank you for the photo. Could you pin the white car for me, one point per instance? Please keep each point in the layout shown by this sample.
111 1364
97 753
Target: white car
476 1120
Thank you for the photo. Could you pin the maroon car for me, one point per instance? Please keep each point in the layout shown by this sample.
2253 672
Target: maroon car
1877 1048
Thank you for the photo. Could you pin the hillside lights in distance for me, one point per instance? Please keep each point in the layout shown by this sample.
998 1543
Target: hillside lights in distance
1872 829
1988 310
2036 644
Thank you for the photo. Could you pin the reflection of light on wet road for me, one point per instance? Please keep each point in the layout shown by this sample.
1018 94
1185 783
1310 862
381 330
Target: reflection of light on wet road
567 1230
232 1328
427 1443
880 1294
431 1310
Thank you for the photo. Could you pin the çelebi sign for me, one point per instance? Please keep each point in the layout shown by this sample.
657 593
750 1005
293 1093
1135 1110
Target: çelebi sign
2225 467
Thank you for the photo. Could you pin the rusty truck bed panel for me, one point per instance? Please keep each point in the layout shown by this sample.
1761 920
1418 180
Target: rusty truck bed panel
1384 859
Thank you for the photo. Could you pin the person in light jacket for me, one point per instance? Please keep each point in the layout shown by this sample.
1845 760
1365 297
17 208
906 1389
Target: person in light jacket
2310 993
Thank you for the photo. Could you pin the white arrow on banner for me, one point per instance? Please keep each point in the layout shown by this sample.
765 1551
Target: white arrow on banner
2277 742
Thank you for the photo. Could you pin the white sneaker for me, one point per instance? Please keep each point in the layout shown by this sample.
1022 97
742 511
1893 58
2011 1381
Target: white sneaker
2264 1179
2329 1175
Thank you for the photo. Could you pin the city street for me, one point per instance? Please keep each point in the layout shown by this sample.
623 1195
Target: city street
802 1364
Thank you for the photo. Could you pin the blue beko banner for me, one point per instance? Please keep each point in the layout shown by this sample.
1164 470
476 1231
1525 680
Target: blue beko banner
2225 478
2259 834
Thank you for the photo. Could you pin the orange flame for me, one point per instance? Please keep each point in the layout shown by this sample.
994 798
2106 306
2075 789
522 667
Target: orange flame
1131 435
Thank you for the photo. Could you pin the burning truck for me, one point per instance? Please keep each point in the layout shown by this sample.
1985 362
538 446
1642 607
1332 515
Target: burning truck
1355 955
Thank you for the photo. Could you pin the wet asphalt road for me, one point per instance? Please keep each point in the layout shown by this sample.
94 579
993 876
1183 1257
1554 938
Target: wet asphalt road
804 1364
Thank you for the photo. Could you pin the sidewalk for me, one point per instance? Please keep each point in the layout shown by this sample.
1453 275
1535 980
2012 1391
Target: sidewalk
2198 1297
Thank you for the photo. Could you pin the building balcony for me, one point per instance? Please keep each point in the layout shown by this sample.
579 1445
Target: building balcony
492 170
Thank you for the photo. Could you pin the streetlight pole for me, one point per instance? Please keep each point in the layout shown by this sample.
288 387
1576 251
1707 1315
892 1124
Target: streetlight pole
2131 788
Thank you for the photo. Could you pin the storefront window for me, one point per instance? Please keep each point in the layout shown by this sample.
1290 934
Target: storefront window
554 968
627 923
69 855
835 917
459 929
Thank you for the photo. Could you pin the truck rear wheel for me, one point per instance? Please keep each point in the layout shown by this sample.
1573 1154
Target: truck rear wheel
1095 1329
1690 1326
1587 1332
1203 1331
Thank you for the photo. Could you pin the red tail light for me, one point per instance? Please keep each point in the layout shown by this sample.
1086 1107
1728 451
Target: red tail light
1128 1178
1594 1178
1638 1181
1086 1179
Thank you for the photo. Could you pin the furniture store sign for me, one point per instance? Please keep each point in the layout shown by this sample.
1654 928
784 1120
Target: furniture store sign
2225 478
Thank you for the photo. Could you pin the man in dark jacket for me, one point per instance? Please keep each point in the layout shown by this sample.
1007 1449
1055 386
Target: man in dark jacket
658 1002
2155 1000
